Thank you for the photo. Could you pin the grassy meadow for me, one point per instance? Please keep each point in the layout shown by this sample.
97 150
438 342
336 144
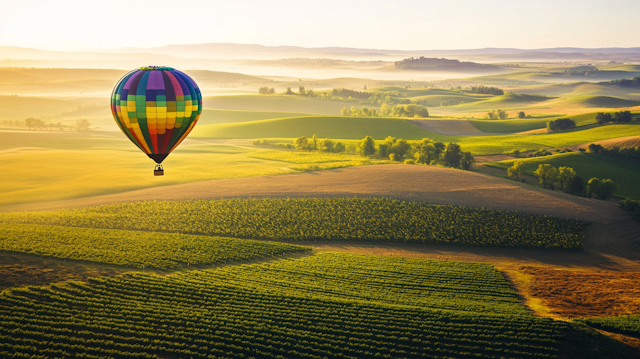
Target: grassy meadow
623 171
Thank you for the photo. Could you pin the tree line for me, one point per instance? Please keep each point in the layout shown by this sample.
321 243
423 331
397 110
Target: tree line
487 90
633 151
315 144
621 116
36 123
567 180
426 151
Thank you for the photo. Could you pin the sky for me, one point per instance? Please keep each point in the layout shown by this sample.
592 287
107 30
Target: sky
67 25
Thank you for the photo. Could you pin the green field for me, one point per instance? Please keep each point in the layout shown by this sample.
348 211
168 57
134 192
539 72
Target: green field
336 127
133 248
348 219
624 324
522 125
487 145
624 171
392 308
212 117
278 103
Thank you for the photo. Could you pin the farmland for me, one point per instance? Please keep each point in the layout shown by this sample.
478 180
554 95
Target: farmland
254 249
133 248
192 316
366 219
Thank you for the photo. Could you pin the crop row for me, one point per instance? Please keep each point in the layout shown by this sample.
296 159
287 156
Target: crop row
194 315
134 248
368 219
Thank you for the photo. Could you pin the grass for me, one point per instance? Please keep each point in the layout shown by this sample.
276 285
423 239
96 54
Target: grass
350 219
305 157
211 116
522 125
487 145
335 127
277 103
624 171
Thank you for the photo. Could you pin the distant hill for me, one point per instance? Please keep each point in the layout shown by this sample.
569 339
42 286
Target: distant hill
434 64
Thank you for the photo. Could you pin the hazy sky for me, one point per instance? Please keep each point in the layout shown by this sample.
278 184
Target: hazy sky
389 24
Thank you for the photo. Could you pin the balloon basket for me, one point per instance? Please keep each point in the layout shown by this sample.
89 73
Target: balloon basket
158 170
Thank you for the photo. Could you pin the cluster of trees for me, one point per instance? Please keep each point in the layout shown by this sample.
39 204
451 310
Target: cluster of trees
634 82
425 151
588 73
12 122
363 111
497 115
487 90
315 144
615 150
345 93
621 116
37 123
566 180
432 63
266 90
560 124
410 110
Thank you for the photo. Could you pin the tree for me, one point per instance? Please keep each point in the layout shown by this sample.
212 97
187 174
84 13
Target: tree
30 122
83 125
339 147
515 171
301 90
452 155
521 114
301 143
564 175
605 189
400 148
423 151
326 145
439 146
364 88
367 146
383 150
289 92
595 148
547 174
314 142
603 117
560 124
592 186
575 186
622 116
467 161
502 114
345 111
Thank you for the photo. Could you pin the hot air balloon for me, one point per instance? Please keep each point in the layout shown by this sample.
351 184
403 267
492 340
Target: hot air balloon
156 107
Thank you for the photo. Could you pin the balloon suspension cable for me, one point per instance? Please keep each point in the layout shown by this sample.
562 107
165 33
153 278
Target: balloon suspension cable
158 170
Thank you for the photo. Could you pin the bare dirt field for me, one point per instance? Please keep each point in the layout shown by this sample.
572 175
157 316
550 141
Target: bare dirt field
611 241
573 294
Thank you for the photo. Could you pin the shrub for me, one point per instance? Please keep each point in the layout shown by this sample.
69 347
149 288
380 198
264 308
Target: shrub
409 162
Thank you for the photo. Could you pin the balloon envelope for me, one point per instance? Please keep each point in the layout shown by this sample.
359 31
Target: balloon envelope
156 107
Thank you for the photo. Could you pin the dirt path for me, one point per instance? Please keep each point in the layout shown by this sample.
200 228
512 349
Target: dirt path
610 244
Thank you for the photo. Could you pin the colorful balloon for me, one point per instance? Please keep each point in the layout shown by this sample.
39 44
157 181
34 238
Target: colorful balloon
156 107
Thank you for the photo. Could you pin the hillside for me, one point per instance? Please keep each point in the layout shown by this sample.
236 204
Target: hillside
335 127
